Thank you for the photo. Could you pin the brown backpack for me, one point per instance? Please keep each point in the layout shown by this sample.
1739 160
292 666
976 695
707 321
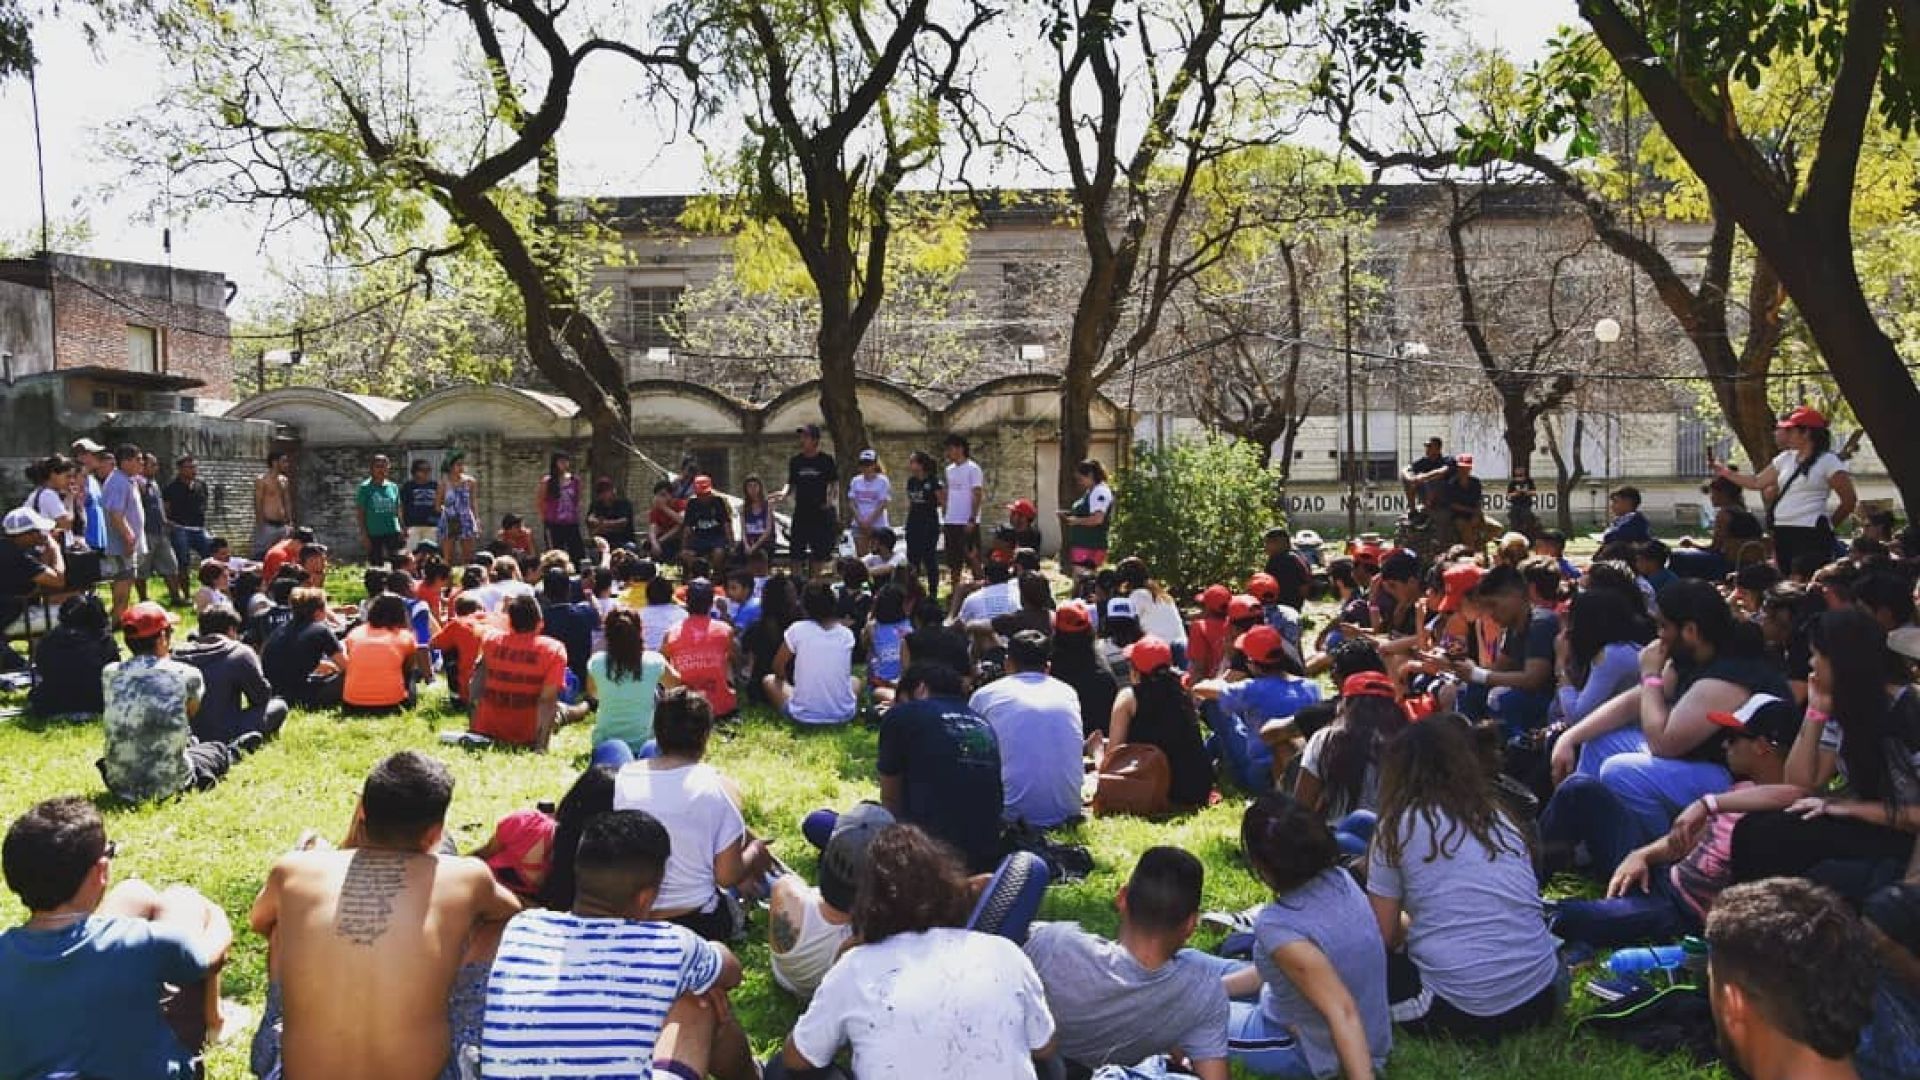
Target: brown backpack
1134 779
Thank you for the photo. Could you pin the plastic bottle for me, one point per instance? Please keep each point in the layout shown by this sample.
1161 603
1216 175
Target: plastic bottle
1647 958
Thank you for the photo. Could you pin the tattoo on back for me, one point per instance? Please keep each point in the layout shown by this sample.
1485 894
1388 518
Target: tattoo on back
785 934
373 879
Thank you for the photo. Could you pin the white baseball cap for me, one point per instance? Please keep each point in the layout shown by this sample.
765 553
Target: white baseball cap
24 520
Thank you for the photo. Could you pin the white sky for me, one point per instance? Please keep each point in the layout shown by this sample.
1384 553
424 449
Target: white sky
81 93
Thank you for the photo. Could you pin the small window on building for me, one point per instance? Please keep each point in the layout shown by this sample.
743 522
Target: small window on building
653 318
143 348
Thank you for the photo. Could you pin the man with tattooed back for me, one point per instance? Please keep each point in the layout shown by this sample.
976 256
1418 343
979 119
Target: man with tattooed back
366 940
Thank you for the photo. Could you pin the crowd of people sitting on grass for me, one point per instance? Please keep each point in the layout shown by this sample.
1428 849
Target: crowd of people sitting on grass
1727 753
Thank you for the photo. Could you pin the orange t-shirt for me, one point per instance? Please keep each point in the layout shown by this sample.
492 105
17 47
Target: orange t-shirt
519 666
377 662
698 651
462 638
429 593
279 555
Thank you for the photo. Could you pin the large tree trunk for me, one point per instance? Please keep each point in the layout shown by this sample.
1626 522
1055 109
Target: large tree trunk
1076 427
840 393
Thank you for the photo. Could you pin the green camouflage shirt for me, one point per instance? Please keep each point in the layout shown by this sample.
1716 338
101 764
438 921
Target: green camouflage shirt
147 731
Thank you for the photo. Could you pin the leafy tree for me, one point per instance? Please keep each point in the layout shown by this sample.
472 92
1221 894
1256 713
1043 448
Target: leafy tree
842 103
1195 510
1685 61
315 113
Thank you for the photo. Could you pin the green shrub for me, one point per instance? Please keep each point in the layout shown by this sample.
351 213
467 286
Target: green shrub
1195 510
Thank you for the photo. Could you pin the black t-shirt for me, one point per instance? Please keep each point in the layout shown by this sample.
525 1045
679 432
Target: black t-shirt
1430 491
186 503
416 504
706 521
1178 737
292 653
1536 642
19 567
923 501
1463 494
809 481
1290 570
70 662
571 625
1094 683
950 762
264 625
617 510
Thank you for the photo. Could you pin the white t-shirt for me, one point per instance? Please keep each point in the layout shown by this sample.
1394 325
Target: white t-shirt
868 494
1161 617
1099 499
700 819
989 601
961 480
944 1002
822 664
1804 502
656 620
48 504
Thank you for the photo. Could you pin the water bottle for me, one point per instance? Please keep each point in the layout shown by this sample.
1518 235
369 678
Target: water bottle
1647 958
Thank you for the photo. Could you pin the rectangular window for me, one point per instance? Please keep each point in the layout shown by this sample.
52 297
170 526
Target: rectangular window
143 348
653 316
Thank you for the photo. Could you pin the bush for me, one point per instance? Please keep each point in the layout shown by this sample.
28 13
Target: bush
1195 510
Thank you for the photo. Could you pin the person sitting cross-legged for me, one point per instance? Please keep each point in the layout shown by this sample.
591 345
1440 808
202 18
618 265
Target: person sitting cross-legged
919 996
558 1003
238 698
368 939
151 700
1036 720
108 982
807 927
1123 1002
517 700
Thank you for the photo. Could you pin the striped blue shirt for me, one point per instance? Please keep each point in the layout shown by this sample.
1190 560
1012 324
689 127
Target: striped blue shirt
571 996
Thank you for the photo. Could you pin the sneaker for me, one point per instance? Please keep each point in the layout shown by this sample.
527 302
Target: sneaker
1233 922
472 740
248 743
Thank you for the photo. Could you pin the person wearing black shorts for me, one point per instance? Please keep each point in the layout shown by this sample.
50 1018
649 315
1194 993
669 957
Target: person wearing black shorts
811 481
923 518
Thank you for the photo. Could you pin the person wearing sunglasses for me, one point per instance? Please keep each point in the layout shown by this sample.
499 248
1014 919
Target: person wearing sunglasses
102 980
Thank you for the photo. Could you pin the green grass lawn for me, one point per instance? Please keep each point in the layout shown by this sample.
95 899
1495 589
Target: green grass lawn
222 842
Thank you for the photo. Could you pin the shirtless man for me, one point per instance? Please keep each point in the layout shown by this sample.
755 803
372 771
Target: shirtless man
273 503
365 941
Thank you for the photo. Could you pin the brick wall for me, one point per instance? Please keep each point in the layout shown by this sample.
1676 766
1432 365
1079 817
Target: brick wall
96 300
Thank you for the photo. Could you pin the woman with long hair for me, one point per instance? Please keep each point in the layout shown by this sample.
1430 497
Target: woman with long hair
622 677
1598 651
1154 607
1157 710
1089 520
756 519
561 504
1452 883
591 794
920 996
1802 475
1340 767
457 506
923 517
380 659
868 493
1862 726
1323 1008
53 489
779 608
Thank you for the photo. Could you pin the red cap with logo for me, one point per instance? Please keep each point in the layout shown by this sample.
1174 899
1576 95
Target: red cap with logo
1460 581
1368 684
1262 645
147 619
1072 618
1023 508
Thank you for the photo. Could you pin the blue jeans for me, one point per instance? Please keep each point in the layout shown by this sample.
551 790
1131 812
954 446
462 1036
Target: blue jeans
1247 759
1657 917
1626 740
190 545
1585 812
1519 711
1655 789
1355 831
616 752
1263 1047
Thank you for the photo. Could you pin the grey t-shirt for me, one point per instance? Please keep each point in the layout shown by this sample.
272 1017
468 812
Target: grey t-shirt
1332 915
1109 1010
1476 932
1338 803
119 494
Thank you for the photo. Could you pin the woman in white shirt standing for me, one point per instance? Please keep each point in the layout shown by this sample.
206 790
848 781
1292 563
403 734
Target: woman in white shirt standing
869 492
919 996
52 496
1802 475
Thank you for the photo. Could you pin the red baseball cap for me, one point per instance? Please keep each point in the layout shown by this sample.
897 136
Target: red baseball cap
147 619
1460 580
1463 459
1367 553
1216 600
1072 618
1149 655
1368 684
702 485
1262 645
1803 417
1244 607
1024 508
1265 587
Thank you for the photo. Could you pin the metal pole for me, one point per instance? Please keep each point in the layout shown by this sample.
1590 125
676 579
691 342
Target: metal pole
1346 308
39 156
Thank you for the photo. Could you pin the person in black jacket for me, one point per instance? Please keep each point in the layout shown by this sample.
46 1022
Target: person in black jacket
70 659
